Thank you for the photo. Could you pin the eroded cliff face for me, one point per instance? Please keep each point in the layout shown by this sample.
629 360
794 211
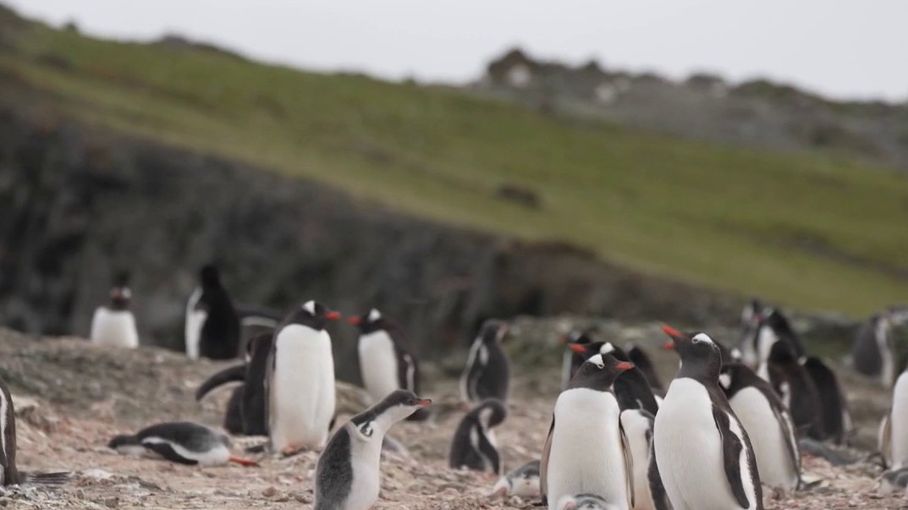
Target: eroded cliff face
77 203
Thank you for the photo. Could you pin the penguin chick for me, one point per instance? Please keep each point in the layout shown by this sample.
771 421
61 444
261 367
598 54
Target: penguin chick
522 482
473 446
486 374
114 325
181 442
347 476
585 502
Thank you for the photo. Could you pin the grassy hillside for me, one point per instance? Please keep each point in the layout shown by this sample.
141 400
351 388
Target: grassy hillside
802 230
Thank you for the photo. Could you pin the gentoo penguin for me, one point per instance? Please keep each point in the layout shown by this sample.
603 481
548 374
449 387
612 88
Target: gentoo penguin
586 450
474 446
572 360
837 424
212 324
773 328
703 453
893 437
522 482
113 325
384 363
9 473
487 372
245 413
766 419
586 502
796 388
631 387
180 442
639 357
873 353
300 380
347 475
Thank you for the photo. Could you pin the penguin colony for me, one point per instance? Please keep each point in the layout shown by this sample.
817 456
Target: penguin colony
727 425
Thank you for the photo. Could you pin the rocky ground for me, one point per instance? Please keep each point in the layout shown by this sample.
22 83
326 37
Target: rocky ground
72 397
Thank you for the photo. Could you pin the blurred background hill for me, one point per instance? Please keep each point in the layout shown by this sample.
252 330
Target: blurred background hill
540 189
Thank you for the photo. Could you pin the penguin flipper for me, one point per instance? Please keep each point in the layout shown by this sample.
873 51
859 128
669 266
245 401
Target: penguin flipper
488 451
165 450
544 463
628 464
236 373
732 446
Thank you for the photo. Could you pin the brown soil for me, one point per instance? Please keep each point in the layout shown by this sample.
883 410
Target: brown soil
73 397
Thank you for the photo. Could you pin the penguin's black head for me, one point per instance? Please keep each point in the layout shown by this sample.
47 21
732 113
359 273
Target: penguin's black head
782 354
493 331
398 405
369 322
210 276
701 357
599 372
490 413
315 315
121 440
578 336
121 279
119 298
593 348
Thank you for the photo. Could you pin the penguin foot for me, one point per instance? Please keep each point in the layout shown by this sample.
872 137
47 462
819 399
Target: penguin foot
244 462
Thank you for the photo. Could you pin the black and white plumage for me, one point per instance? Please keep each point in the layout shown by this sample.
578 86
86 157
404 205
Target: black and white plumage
631 387
586 502
586 450
893 435
572 360
385 365
873 352
703 453
768 423
798 392
212 323
522 482
299 382
473 446
837 423
487 372
348 474
638 356
113 325
772 328
181 442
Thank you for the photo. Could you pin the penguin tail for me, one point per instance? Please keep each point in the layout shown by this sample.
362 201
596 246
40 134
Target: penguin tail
244 461
57 478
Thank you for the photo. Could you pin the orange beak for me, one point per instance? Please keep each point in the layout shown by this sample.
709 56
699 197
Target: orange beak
333 315
355 320
579 349
669 346
624 366
425 402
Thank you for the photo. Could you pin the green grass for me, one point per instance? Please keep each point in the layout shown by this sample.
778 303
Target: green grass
726 218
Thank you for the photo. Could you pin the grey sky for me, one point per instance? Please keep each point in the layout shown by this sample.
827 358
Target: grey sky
853 49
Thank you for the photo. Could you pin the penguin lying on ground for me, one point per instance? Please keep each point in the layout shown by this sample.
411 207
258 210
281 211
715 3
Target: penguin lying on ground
212 324
384 363
347 476
522 482
586 451
473 446
245 414
703 453
299 383
486 374
9 473
113 325
586 502
180 442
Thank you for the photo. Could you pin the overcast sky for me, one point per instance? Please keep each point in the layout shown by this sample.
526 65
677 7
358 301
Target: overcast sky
845 49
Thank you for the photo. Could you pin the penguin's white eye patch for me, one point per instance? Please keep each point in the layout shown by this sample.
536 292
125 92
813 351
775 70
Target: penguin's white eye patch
725 380
374 315
597 360
309 307
607 348
702 337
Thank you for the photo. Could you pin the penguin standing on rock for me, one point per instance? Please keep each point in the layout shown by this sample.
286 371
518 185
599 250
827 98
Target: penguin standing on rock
474 445
487 371
114 325
212 324
703 453
347 476
766 419
384 364
586 451
181 442
300 380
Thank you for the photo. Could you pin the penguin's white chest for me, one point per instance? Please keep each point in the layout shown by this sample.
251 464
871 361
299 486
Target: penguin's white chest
378 364
365 462
774 462
899 422
638 429
302 397
590 462
688 450
195 319
114 328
